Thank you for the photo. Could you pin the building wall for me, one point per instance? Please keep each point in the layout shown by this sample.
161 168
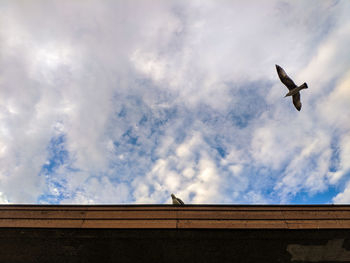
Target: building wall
164 233
176 217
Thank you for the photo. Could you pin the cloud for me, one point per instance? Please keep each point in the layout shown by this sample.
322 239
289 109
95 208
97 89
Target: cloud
125 103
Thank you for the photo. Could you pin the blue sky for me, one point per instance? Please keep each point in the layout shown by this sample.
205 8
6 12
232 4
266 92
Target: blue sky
123 102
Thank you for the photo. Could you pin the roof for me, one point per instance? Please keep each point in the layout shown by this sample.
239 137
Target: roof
176 217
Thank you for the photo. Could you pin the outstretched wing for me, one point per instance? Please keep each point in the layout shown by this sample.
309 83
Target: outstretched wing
296 101
180 201
285 79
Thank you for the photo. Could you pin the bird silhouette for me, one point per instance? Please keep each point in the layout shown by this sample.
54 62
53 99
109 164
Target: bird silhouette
293 89
176 201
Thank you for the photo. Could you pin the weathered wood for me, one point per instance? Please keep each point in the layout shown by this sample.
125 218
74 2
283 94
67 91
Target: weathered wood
174 217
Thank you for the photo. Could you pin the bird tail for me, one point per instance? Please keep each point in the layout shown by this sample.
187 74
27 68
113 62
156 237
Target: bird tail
303 86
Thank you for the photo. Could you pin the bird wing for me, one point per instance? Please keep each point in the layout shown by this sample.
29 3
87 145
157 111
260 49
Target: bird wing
286 80
296 101
180 201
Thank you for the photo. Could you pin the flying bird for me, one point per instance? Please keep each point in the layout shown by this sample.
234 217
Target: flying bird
293 89
176 201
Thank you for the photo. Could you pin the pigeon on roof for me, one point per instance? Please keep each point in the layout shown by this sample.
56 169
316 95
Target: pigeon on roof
176 201
293 89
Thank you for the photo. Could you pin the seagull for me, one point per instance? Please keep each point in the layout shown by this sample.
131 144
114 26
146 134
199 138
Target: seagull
293 89
176 201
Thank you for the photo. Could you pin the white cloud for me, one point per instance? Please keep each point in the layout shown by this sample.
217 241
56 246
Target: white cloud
3 199
344 169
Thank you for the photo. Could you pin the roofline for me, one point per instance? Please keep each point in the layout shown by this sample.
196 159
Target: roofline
141 216
170 205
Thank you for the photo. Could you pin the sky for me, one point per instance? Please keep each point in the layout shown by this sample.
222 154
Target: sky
126 102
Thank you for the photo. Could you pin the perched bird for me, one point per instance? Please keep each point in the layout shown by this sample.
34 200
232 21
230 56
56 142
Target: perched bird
293 89
176 201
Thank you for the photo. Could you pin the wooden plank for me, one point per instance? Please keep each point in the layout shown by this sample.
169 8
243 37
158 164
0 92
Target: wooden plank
173 214
89 214
57 223
260 224
166 216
